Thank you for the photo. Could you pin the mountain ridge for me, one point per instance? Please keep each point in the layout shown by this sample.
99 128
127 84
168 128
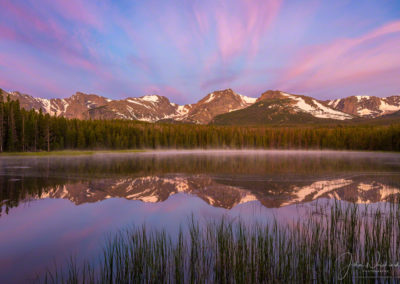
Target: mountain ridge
218 107
366 106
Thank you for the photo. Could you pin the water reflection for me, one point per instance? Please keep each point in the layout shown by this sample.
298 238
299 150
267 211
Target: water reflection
55 207
275 179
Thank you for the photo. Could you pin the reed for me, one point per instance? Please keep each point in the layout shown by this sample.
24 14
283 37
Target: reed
338 242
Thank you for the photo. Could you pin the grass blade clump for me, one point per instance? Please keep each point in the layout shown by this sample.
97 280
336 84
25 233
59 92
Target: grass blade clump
337 242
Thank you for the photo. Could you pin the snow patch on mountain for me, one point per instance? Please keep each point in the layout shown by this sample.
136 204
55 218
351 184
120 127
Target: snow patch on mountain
150 98
316 189
59 110
318 109
334 103
248 100
210 98
360 98
182 109
367 106
45 104
384 190
248 198
325 112
364 112
147 119
150 199
136 101
385 107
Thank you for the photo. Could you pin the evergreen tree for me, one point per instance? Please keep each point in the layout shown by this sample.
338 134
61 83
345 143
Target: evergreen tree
1 121
22 130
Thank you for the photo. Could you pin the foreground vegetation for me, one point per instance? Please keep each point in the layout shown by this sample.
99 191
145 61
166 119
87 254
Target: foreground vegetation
335 243
22 130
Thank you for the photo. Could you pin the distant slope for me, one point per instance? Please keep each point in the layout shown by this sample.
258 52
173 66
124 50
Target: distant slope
150 108
392 115
216 103
276 107
219 107
366 106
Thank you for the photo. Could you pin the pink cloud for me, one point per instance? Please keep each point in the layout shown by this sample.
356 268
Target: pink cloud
201 20
171 92
219 81
80 11
245 28
346 61
239 33
234 29
141 63
7 33
23 67
48 33
26 15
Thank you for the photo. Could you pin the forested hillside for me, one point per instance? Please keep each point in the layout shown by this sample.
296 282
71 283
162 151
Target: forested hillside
22 130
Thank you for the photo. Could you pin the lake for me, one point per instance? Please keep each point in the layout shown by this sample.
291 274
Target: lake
53 208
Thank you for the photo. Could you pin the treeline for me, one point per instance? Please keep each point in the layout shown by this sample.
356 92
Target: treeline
22 130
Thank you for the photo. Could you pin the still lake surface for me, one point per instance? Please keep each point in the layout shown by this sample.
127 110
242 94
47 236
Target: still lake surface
53 208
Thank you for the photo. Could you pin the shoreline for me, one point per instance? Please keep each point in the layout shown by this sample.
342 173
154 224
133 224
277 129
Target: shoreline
183 151
66 153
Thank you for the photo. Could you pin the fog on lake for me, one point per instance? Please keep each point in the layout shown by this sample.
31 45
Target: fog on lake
53 207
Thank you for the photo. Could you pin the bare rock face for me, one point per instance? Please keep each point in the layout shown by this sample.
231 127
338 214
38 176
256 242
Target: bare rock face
216 103
366 106
76 106
150 108
147 108
26 101
85 106
271 94
153 108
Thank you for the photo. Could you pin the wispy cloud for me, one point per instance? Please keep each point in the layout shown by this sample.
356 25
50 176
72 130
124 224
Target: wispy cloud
185 49
348 61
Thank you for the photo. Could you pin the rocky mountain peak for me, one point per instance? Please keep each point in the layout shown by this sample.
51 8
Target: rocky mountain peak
270 94
153 107
155 99
217 102
366 106
280 107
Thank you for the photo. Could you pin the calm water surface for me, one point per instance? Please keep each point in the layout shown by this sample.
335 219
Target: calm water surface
56 207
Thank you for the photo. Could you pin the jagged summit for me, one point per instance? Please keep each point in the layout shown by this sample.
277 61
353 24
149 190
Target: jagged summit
273 106
218 102
270 94
277 107
367 106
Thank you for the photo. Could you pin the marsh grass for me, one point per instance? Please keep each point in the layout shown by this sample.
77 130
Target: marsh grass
339 242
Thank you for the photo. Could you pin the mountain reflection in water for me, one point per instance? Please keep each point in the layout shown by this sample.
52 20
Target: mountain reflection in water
55 207
273 178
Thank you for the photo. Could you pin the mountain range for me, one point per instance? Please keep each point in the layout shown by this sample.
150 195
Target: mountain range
153 189
218 107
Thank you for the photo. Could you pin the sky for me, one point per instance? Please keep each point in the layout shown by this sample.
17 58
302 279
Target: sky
185 49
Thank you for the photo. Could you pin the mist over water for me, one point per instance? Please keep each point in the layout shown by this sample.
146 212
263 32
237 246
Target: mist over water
52 207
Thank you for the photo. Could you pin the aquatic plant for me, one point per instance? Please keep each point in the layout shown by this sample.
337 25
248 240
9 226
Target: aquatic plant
337 242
